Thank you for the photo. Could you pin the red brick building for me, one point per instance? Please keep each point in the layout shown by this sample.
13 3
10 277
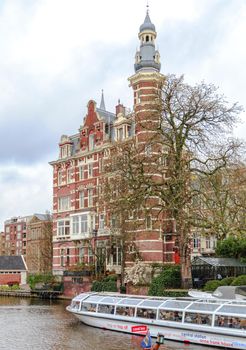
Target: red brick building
78 216
14 237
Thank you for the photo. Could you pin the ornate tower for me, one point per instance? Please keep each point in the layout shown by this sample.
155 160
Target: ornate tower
147 83
147 80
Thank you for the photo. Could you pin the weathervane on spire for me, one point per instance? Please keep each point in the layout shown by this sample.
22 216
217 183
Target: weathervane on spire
147 6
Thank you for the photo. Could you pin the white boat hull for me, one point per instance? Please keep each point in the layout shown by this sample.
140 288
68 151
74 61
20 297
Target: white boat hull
183 334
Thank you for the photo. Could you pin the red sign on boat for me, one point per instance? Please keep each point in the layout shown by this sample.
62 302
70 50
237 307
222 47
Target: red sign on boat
139 329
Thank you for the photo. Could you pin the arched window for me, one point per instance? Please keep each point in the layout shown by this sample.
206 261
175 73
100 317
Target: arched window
147 38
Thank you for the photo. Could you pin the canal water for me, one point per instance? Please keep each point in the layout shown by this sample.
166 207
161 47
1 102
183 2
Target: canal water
33 324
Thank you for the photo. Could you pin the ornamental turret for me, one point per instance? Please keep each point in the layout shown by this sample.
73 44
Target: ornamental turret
147 58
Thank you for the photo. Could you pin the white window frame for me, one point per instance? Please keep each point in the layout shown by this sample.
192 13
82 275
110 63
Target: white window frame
81 199
148 222
90 170
59 177
63 227
148 150
64 203
81 172
80 224
101 221
120 132
90 197
91 142
69 175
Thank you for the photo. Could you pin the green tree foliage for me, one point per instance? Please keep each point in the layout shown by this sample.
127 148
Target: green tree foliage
232 247
46 279
108 284
170 277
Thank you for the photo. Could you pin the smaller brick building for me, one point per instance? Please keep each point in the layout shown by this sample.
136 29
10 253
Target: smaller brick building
39 244
30 236
13 270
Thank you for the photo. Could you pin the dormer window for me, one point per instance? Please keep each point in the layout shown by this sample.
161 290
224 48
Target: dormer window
120 134
91 142
63 152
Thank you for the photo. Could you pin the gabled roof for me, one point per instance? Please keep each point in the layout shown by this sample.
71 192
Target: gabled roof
200 260
42 217
12 263
108 117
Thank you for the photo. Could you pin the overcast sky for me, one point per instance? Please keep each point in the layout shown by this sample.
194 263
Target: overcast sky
58 54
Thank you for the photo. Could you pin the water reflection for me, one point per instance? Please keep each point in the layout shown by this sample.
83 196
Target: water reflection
45 325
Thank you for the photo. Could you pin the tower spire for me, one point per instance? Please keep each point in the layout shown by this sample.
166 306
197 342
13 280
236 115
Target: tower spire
102 104
147 57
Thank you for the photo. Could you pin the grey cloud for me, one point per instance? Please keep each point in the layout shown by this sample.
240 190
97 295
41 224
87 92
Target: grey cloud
31 126
184 44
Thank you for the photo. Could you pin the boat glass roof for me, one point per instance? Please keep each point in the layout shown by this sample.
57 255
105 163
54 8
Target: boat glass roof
80 297
94 298
175 304
203 307
131 302
233 309
110 300
151 303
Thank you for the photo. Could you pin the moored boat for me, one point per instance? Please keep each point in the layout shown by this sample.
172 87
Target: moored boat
222 292
214 322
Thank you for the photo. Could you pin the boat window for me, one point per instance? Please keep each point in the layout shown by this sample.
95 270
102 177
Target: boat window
168 315
89 307
152 303
125 311
75 304
146 313
176 304
130 302
106 309
233 309
198 318
230 322
203 306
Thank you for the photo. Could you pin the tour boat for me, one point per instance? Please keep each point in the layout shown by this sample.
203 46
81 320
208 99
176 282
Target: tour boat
214 322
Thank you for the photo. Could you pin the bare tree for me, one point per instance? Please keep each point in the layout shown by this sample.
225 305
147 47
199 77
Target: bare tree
190 136
221 204
119 202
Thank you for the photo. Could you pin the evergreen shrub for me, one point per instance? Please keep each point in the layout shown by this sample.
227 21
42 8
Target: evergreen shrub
170 277
212 285
227 281
104 286
239 281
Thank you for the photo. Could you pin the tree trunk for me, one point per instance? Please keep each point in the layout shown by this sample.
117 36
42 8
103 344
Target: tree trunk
185 258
